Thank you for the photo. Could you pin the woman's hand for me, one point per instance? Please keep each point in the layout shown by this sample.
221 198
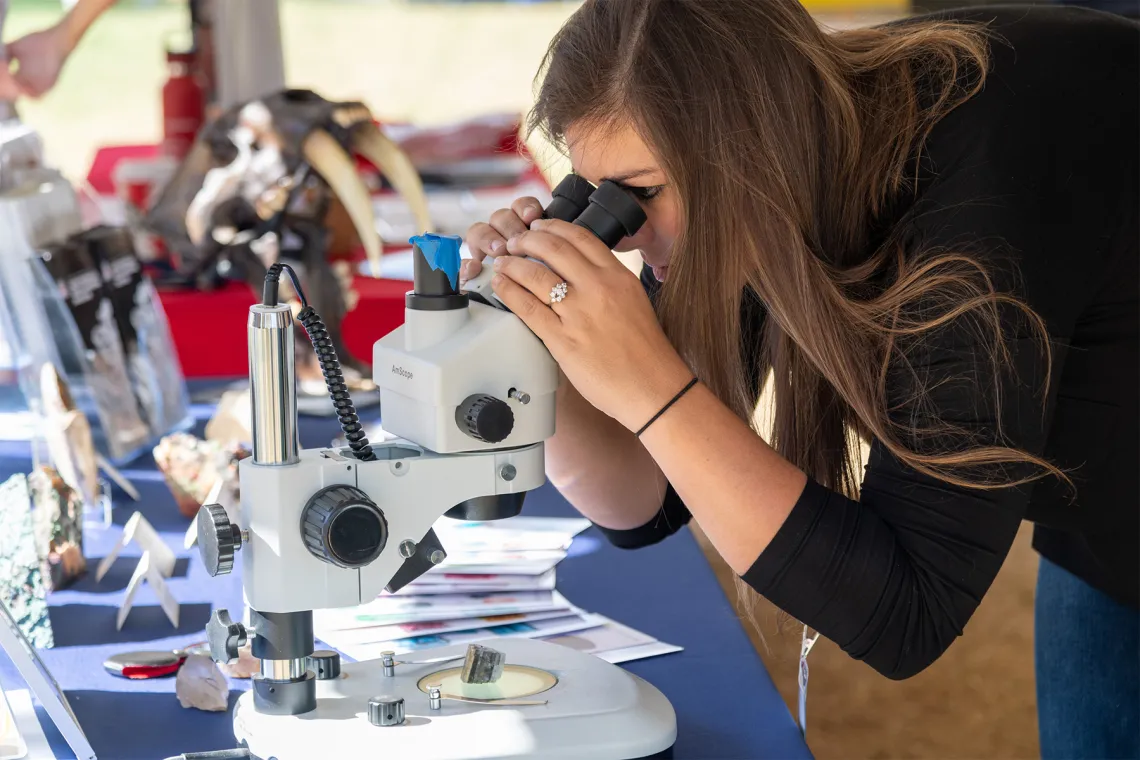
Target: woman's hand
490 239
604 333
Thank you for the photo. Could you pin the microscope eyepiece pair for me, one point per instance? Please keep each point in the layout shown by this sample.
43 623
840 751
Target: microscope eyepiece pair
608 211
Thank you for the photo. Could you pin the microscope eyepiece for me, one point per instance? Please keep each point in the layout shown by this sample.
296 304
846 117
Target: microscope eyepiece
612 214
570 198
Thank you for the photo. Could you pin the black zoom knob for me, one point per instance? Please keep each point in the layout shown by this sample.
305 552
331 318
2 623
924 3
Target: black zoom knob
225 636
342 526
485 418
218 539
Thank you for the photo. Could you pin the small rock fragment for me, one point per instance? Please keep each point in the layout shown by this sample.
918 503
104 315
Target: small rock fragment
201 685
482 665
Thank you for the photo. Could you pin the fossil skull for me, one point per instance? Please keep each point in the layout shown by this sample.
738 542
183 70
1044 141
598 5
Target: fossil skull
267 142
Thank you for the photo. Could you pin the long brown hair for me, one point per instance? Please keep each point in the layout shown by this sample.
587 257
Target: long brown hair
786 145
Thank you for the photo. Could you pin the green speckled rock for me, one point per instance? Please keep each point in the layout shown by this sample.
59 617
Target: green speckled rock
22 587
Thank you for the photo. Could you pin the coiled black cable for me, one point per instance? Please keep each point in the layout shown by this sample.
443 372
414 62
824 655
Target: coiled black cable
334 380
326 355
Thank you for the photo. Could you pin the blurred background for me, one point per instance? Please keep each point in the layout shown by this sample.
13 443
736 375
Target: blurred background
425 62
433 63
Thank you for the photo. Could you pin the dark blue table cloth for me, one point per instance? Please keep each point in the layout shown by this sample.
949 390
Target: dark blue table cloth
726 704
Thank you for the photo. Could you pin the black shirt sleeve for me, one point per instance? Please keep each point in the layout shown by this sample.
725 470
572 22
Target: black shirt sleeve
893 577
672 516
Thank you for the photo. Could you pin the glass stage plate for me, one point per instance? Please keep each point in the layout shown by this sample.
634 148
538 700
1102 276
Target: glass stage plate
517 681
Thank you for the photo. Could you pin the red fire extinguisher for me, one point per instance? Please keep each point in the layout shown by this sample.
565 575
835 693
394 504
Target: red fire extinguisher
183 104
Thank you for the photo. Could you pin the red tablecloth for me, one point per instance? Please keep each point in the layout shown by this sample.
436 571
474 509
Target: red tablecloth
209 329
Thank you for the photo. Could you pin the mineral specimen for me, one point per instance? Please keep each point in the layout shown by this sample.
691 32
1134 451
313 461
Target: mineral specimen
199 684
58 521
22 587
191 466
482 665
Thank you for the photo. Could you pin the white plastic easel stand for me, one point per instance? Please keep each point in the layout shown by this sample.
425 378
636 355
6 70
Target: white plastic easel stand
213 497
154 567
147 571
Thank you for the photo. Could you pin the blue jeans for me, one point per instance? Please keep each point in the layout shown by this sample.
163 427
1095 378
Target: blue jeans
1087 653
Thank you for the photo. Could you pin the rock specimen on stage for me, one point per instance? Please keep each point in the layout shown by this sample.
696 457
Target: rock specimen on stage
23 589
191 466
58 524
482 665
199 684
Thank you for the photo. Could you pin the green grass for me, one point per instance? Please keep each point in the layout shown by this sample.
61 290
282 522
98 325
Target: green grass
421 62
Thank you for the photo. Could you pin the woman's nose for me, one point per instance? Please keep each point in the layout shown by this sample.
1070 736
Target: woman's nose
637 241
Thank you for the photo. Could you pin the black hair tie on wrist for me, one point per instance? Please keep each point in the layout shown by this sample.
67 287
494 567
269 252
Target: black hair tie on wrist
666 407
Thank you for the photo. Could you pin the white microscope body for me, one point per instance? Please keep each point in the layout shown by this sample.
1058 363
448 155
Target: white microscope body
469 394
427 369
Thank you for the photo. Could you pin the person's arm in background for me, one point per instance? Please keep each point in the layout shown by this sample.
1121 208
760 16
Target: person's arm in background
41 55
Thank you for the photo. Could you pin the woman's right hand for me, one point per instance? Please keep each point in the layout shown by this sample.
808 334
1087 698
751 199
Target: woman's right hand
490 238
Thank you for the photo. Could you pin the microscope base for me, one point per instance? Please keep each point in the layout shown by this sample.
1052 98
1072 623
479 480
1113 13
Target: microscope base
594 711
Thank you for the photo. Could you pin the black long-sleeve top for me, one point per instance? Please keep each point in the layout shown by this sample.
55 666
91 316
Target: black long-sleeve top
1040 171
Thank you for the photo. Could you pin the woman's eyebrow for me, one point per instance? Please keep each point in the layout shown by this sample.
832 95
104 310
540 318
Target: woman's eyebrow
626 176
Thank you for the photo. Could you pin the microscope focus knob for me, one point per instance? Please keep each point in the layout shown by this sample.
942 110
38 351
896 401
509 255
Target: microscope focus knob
386 710
218 539
485 418
342 526
325 664
225 637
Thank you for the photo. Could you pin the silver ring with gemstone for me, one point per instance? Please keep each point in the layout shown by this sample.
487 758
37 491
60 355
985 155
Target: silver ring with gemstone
558 292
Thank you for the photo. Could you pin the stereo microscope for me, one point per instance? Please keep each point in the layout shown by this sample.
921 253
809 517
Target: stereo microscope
468 396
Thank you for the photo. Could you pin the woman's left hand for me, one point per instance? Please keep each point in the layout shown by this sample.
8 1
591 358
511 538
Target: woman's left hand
603 333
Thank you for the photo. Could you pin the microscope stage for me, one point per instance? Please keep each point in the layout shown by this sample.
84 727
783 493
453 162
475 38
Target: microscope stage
593 710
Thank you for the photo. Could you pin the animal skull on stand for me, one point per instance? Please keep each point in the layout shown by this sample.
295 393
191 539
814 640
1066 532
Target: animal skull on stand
264 183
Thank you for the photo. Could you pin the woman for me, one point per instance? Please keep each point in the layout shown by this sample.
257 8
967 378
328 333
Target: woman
925 235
